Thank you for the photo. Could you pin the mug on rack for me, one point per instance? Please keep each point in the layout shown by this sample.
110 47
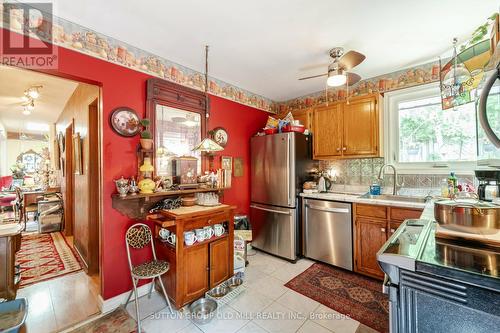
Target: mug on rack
190 238
164 233
201 234
209 231
219 230
171 239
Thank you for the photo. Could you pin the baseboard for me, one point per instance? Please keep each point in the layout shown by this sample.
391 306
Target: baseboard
113 303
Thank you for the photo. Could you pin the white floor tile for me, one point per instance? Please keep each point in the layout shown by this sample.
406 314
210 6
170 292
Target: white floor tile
147 306
312 327
164 321
334 320
278 319
298 303
189 329
227 320
252 327
250 302
268 286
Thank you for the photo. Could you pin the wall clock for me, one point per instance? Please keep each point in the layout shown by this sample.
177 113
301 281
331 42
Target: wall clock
125 121
220 136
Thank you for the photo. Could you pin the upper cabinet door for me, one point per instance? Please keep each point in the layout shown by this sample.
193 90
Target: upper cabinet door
361 127
327 131
305 118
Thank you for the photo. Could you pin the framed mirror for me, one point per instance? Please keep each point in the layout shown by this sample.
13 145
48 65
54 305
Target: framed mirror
177 115
177 132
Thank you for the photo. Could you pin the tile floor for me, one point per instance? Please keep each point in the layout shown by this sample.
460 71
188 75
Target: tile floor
266 306
61 302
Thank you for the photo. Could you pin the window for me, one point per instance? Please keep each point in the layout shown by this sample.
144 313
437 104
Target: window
422 136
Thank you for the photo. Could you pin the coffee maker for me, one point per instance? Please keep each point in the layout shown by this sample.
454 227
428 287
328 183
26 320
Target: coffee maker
489 184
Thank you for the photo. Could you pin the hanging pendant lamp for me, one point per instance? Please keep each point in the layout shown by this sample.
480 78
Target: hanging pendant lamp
207 145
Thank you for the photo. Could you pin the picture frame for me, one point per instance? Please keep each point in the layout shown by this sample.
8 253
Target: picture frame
77 154
238 167
226 163
125 121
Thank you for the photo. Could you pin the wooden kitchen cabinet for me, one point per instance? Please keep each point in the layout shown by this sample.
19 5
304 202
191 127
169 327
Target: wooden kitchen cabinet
373 225
305 118
373 234
361 127
196 268
327 131
348 129
219 267
196 271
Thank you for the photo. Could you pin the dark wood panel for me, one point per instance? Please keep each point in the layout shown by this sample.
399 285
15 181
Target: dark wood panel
93 188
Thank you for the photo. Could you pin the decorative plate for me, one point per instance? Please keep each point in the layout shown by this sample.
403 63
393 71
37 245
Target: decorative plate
125 121
220 136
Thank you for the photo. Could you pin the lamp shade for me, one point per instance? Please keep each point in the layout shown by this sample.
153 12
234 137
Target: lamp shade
147 166
208 145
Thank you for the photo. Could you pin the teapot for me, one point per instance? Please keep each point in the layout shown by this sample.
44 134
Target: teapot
122 186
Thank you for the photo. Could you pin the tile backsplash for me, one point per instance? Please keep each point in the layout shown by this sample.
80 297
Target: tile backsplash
363 171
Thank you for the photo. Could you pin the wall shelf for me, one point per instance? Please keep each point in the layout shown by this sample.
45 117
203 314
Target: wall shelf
137 206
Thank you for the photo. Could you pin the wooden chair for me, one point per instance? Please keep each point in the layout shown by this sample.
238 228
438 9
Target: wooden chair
138 236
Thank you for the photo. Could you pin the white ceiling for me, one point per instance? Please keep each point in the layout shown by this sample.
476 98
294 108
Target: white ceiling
53 97
261 45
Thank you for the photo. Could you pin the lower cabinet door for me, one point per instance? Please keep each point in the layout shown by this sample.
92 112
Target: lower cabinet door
371 235
196 272
219 262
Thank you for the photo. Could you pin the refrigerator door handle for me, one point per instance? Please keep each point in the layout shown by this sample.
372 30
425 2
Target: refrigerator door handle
329 210
270 210
288 172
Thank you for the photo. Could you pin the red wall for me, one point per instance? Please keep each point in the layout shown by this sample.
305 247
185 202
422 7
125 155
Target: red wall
125 87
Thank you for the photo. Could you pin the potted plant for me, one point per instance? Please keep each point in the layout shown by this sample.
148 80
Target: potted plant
146 137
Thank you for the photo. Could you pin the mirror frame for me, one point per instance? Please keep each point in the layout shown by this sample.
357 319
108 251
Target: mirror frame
170 94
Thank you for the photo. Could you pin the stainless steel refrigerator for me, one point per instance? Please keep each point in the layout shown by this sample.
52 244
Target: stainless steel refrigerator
280 164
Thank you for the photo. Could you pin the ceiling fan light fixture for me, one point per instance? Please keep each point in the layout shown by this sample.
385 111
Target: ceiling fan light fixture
33 92
336 78
26 111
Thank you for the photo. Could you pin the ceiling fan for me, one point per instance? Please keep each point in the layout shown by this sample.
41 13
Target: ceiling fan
338 74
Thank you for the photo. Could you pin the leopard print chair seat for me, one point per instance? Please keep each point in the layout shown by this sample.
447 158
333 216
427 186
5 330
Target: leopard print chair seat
150 269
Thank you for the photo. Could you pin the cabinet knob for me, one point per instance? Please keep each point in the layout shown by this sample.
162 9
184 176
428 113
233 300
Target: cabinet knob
392 230
208 268
382 229
344 149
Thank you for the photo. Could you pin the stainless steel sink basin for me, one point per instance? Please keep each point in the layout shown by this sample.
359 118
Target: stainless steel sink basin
403 198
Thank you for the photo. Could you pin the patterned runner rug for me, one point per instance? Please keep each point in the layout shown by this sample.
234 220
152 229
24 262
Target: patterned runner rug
351 294
45 256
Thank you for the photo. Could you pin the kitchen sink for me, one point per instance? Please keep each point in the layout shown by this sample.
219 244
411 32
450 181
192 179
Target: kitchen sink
403 198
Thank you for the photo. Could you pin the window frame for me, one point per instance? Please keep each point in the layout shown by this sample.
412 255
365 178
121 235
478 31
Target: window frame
391 135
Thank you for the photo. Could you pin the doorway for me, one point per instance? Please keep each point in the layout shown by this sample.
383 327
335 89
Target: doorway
58 199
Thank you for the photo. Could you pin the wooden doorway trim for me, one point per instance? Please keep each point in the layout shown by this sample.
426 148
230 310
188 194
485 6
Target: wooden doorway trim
94 163
69 181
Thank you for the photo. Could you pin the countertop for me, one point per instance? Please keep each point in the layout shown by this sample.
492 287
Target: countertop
471 262
356 198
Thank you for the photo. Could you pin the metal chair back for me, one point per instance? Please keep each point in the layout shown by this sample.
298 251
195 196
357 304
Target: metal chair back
138 236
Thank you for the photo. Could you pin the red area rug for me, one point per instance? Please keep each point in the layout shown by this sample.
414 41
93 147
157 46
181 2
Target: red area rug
351 294
45 256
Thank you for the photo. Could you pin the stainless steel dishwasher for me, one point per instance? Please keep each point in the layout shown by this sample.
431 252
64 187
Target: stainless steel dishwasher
327 232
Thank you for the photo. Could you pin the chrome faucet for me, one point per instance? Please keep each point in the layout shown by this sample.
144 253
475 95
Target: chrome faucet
395 183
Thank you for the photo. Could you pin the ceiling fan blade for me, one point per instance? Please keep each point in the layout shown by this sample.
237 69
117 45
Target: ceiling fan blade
312 77
351 59
352 78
